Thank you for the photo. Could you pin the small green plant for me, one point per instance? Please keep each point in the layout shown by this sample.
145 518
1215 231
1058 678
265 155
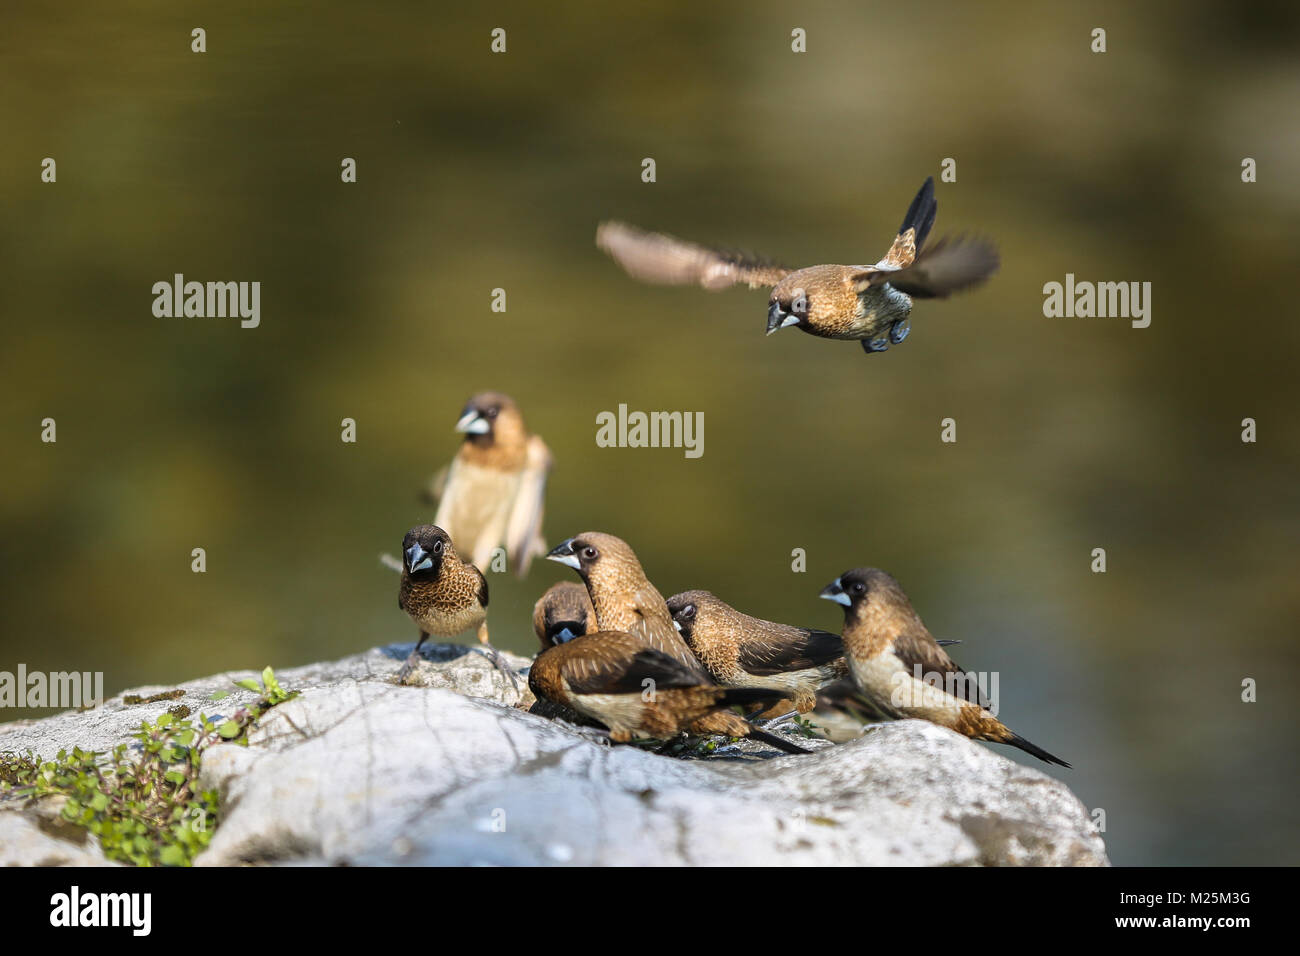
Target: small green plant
804 727
272 694
142 799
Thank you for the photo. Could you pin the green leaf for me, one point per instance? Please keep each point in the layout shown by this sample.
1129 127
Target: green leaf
99 802
229 729
248 684
174 776
172 856
219 695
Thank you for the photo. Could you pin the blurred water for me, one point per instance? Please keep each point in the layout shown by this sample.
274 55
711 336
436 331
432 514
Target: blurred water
479 171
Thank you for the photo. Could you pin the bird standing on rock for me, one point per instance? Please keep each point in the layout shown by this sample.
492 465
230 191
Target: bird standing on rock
442 594
622 595
563 613
638 691
743 651
900 668
868 303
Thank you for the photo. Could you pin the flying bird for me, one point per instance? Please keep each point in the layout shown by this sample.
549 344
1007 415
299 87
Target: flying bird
743 651
442 594
868 303
637 691
886 644
492 493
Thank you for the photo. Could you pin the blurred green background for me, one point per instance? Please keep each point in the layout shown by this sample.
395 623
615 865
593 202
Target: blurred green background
478 170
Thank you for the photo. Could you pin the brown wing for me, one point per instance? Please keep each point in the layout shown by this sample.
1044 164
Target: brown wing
664 260
949 265
609 662
917 647
654 626
804 649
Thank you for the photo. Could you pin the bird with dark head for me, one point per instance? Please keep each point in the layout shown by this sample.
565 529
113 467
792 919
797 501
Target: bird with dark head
870 303
563 613
743 651
442 594
901 669
492 494
622 595
637 691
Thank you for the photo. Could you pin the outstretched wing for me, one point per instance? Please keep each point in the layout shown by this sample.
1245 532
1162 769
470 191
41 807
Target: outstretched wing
916 226
664 260
949 265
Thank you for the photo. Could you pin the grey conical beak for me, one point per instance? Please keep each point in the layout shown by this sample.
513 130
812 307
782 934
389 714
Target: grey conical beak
417 559
775 317
564 553
472 423
835 592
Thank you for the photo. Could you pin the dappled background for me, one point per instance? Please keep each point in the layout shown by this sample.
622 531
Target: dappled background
479 171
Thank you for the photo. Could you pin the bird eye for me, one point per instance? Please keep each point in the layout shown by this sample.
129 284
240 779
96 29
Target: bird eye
859 587
437 546
800 304
589 553
492 412
688 612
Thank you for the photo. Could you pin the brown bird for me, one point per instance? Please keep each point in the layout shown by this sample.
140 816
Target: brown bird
637 691
563 613
442 594
623 597
868 303
491 495
743 651
900 668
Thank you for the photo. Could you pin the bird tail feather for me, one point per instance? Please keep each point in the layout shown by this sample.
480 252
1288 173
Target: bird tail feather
1016 740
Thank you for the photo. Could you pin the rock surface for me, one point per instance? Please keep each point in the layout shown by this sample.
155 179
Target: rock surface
452 771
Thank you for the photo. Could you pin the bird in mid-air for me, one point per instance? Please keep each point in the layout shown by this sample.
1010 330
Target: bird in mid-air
868 303
491 495
442 594
902 671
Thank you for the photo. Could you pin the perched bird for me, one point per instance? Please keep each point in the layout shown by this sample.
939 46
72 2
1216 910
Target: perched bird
563 613
637 691
491 495
743 651
886 645
622 595
442 594
869 303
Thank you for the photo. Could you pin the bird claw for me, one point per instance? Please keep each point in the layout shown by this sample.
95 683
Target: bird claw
500 663
407 666
772 722
875 345
899 330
